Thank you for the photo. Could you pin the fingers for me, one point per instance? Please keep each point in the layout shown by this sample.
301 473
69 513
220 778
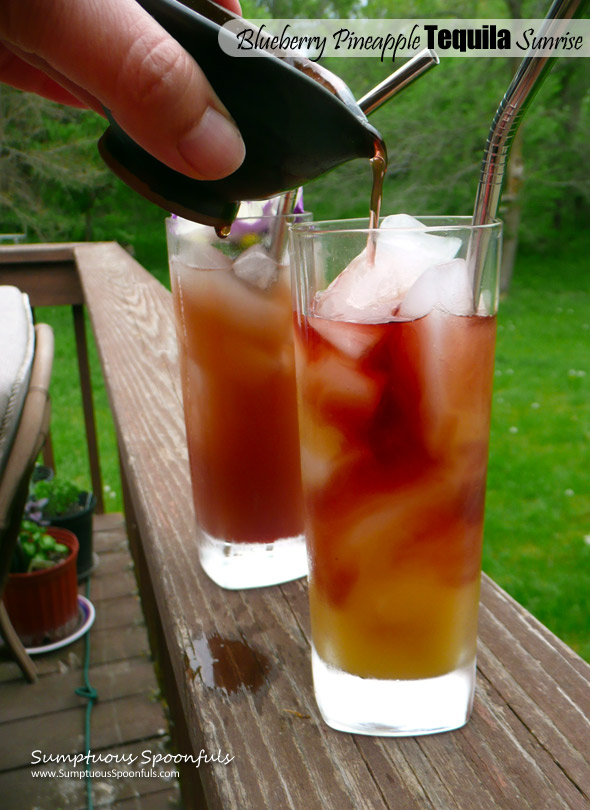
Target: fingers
112 52
232 5
19 73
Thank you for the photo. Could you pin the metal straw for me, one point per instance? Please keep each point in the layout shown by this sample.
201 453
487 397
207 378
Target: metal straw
526 82
409 71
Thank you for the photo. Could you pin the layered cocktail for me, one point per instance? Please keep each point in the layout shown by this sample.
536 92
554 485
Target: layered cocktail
233 310
395 353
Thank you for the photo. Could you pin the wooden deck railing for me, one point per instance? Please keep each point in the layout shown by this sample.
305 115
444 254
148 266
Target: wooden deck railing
48 274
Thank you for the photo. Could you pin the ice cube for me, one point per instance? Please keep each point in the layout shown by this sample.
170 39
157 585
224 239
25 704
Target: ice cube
321 446
421 297
352 339
200 255
455 292
233 305
341 394
370 292
256 267
362 293
401 221
411 251
444 286
207 257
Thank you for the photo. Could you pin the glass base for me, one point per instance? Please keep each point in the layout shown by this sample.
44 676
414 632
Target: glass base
386 708
252 565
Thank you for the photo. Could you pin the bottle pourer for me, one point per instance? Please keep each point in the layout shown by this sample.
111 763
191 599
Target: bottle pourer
297 121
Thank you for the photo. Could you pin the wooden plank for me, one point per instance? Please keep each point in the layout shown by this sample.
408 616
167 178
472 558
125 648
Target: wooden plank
241 660
108 542
113 792
192 790
109 522
110 563
114 723
46 272
112 680
114 586
37 253
523 771
121 612
108 645
550 715
47 285
151 801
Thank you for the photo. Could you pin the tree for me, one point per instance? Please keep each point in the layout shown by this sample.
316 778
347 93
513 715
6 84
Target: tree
302 9
48 164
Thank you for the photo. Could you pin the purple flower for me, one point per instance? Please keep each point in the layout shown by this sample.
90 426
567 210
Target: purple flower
250 226
299 208
245 227
34 511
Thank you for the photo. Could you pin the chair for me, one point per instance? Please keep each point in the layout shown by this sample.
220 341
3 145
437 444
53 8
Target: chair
28 440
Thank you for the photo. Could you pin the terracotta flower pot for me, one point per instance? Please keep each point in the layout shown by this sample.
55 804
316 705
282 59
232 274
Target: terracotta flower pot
43 605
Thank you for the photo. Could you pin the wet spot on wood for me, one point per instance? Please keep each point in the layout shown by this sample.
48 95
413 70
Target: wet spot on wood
226 664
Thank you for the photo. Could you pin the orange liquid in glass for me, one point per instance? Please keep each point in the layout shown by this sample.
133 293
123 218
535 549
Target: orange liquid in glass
237 368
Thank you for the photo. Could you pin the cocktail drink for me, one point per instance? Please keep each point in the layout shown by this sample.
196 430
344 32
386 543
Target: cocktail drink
394 361
233 311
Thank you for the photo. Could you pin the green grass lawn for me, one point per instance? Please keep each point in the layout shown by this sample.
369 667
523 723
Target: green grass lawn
537 542
67 420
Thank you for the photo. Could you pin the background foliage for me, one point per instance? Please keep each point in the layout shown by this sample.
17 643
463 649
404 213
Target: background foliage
54 186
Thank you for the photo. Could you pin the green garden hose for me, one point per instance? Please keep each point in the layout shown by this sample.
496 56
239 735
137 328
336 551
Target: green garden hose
91 695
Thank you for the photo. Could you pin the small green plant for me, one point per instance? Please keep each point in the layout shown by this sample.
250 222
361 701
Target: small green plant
59 497
36 549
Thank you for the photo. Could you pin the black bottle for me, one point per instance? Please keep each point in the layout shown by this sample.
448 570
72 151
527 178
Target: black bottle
297 121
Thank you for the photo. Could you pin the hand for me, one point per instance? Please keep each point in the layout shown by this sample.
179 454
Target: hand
111 53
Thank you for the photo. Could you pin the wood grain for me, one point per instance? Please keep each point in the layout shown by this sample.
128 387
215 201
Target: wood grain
526 745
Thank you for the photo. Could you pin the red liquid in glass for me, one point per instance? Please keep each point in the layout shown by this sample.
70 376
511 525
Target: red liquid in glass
394 423
237 367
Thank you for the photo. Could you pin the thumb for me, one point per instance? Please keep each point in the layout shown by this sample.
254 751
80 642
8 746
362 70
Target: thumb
117 53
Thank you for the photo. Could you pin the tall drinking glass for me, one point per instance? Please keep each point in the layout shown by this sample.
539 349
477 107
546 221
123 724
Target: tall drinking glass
232 303
394 355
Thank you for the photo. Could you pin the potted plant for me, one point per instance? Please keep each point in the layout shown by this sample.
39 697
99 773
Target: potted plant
61 503
41 593
42 473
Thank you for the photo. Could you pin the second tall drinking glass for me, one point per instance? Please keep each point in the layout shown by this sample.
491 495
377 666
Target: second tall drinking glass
233 313
395 348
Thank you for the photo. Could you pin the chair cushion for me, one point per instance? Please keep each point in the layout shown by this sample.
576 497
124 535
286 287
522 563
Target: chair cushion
17 341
